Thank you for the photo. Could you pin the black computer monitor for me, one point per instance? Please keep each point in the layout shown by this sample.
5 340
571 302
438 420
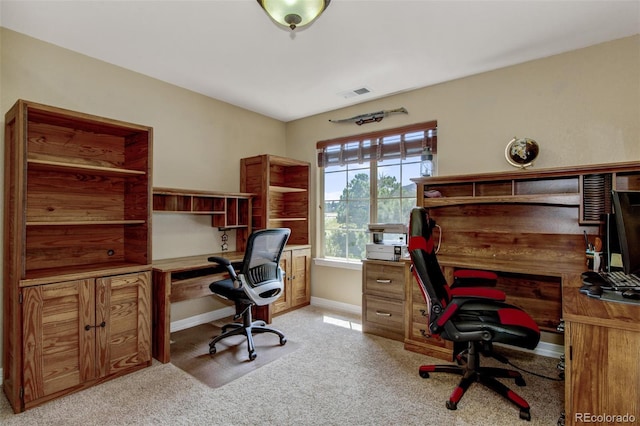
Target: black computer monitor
627 211
612 258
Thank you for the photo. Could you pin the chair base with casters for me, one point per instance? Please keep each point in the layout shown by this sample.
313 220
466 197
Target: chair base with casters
248 327
471 372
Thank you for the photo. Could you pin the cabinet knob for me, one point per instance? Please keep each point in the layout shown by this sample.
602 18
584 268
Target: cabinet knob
89 327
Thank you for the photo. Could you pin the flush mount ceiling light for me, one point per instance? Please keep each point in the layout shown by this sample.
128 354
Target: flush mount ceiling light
294 13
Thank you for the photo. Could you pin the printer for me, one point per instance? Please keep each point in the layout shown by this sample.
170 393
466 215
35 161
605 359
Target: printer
389 241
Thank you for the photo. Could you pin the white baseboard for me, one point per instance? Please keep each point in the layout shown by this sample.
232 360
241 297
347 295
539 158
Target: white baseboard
202 319
551 350
230 310
338 306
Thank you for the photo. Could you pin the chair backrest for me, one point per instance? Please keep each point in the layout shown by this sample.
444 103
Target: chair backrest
260 274
424 262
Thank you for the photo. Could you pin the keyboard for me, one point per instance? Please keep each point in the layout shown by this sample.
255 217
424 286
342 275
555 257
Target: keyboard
618 280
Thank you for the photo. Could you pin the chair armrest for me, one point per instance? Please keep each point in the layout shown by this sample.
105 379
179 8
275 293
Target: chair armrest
460 296
226 263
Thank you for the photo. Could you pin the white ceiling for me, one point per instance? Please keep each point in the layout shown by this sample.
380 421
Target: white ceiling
230 50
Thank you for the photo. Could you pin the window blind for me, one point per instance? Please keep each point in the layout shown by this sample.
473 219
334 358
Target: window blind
382 145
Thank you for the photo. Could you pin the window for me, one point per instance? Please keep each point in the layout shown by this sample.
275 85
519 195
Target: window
367 180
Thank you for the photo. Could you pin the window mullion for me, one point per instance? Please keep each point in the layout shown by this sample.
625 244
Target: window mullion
373 194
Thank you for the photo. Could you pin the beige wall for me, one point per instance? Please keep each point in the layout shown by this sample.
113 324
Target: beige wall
582 107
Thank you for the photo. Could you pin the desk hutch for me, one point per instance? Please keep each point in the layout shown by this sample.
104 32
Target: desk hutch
528 227
77 268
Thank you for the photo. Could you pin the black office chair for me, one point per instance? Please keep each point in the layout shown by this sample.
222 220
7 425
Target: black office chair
475 316
259 282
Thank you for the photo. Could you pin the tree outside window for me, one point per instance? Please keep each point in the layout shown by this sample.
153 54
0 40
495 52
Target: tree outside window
348 209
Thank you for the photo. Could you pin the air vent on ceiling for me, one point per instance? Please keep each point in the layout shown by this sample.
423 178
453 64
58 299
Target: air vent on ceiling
355 92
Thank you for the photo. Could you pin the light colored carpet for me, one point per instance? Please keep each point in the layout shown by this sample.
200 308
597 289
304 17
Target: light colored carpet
338 376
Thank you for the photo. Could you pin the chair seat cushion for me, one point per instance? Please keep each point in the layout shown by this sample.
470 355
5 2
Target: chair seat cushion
225 288
507 324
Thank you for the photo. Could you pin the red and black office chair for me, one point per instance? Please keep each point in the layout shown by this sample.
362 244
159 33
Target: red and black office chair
475 316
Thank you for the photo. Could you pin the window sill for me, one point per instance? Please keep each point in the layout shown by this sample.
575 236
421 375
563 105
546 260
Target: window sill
337 263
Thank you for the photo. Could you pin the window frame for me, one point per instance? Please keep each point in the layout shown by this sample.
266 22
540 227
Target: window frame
342 151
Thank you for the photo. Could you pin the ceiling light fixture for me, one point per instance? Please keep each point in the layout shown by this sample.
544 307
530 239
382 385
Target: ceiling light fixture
294 13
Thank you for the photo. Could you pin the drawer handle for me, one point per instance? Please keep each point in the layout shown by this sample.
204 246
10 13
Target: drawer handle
383 314
424 333
383 281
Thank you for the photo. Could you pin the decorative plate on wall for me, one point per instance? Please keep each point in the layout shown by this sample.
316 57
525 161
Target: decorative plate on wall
521 152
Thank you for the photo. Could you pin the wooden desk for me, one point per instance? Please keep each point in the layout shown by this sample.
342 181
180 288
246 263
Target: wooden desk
534 287
602 357
185 278
179 279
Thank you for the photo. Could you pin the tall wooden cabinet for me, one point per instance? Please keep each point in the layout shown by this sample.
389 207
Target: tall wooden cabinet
281 188
77 267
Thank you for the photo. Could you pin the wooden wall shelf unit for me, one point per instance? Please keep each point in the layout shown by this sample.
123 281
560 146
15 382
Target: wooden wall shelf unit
281 186
77 245
527 226
227 210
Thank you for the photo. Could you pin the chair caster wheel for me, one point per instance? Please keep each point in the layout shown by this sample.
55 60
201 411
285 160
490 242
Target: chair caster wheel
520 381
212 350
525 415
283 340
424 374
252 355
452 405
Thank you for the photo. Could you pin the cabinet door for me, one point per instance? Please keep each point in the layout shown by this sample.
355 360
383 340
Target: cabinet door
300 270
58 350
600 376
123 305
284 302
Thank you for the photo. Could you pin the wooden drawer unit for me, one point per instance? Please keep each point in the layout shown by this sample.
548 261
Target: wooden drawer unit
383 287
384 317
